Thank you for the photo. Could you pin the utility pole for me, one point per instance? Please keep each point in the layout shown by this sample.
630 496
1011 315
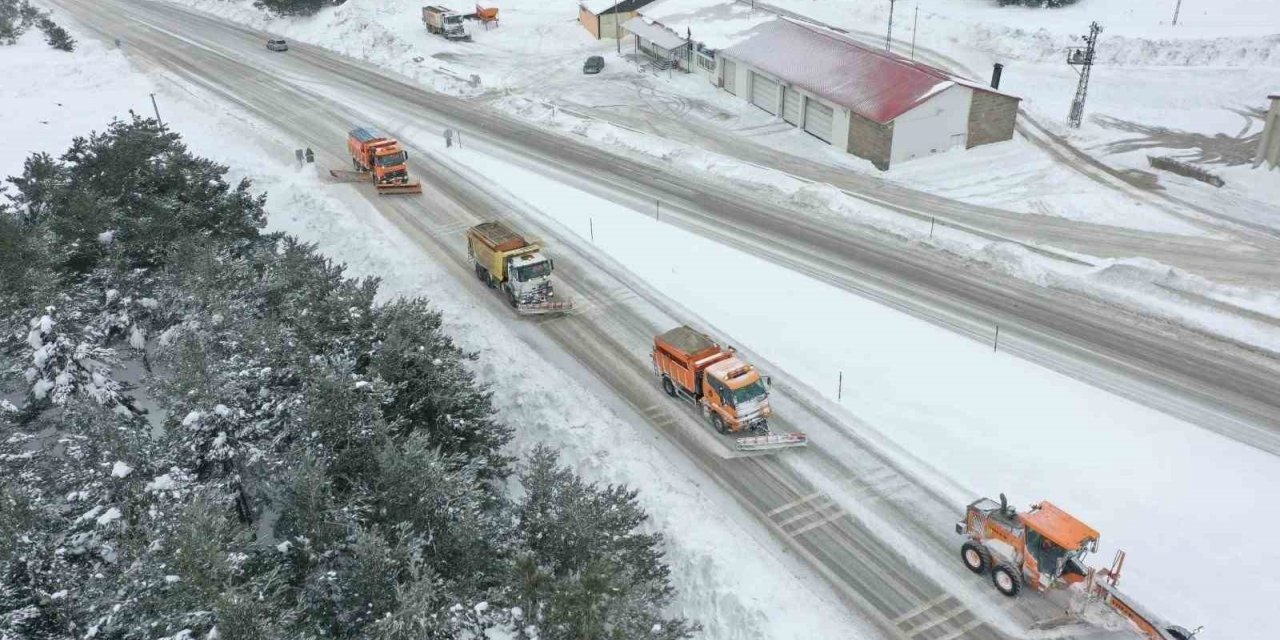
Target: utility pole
1176 10
1083 58
617 33
888 38
915 25
157 109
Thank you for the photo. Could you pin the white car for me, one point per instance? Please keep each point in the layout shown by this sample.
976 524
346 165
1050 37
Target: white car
277 45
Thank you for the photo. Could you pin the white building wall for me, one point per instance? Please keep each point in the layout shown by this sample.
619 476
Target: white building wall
938 124
840 129
744 80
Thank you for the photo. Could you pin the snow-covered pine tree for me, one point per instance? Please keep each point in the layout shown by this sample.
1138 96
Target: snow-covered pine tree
434 392
589 572
56 36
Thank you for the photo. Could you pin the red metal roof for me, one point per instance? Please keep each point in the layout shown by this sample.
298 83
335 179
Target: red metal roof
872 83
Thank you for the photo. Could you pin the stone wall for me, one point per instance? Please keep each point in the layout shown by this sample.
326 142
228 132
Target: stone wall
992 117
870 140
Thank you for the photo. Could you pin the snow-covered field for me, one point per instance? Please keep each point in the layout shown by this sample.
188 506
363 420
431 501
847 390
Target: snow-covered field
1171 494
52 96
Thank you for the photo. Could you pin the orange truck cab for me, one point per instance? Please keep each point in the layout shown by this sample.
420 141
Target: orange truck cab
378 155
730 392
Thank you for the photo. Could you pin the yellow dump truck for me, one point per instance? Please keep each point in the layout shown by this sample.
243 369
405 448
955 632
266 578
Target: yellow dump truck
504 260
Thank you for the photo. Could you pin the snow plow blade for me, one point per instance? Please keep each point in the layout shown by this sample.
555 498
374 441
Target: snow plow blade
772 441
351 176
542 308
391 189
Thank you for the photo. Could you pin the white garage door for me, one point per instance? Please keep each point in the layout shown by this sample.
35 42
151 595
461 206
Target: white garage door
764 93
817 119
791 106
730 71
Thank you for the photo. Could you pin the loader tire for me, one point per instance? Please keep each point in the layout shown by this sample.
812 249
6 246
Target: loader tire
976 557
1007 579
718 423
668 386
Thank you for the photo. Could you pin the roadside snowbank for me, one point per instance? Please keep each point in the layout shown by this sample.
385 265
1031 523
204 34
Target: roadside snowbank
712 559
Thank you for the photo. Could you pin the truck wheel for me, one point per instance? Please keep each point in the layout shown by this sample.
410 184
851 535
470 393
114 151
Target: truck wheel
355 164
1006 580
511 297
481 274
976 557
668 386
718 423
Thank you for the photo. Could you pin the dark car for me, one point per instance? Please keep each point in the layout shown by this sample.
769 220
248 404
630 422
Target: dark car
593 65
277 45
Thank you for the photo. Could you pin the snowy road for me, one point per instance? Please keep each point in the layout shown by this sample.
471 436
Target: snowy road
1211 382
609 337
904 599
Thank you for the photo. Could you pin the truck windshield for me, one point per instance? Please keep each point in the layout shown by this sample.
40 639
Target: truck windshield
530 271
750 392
453 20
391 160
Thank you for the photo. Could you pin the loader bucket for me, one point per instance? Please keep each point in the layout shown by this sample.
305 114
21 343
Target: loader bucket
772 441
542 308
391 189
350 176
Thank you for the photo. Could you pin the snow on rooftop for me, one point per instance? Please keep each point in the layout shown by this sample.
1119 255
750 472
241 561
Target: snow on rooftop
874 84
599 6
715 23
654 33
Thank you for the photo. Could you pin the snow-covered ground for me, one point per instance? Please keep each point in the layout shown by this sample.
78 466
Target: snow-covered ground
1171 494
51 96
990 422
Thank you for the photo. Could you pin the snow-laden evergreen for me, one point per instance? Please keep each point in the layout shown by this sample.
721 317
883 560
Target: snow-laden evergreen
211 432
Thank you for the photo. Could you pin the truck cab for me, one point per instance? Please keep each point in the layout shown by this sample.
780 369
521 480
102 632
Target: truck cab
379 155
529 278
455 28
738 393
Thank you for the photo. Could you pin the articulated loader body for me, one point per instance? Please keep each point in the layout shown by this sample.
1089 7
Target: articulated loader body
1045 548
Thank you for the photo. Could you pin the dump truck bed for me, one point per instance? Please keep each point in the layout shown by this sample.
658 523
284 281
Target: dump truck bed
686 344
498 237
682 353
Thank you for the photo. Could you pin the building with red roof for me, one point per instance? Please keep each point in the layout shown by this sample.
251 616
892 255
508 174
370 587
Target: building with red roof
871 103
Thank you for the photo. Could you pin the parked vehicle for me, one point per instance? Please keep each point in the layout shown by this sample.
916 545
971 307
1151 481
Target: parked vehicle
504 260
277 45
593 65
730 393
379 159
446 22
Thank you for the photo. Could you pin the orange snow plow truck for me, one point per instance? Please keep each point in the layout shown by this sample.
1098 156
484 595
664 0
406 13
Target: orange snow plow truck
379 159
730 393
1045 548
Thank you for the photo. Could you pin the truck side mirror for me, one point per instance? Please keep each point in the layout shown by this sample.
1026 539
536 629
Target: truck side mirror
406 155
768 381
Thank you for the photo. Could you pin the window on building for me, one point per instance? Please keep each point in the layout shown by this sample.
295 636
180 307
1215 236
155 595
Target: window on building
706 62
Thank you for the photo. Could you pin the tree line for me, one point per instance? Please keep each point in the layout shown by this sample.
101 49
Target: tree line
209 431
